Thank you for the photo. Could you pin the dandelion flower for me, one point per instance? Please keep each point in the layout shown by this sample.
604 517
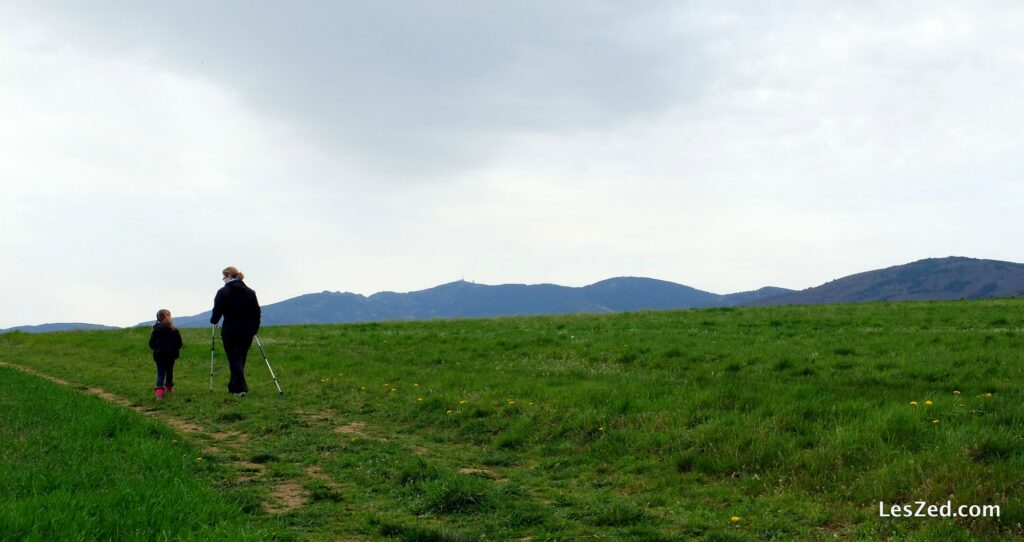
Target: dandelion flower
511 402
956 392
734 519
462 402
928 403
600 428
415 385
449 411
935 421
913 403
419 398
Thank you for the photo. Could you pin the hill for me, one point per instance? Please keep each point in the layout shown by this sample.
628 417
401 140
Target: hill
932 279
48 328
463 299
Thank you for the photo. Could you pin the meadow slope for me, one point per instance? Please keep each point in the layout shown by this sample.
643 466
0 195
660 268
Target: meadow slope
774 423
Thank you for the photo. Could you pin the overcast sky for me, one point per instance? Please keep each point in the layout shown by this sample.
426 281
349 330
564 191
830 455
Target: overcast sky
367 146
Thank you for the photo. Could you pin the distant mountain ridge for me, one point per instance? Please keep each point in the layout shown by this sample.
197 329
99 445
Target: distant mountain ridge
49 328
924 280
929 279
932 279
463 299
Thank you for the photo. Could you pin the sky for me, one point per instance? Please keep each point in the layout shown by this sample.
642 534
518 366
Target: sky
369 146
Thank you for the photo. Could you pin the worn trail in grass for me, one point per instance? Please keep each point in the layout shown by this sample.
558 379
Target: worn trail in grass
795 421
74 468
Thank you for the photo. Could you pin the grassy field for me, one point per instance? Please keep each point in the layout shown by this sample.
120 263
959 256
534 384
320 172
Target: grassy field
73 467
776 423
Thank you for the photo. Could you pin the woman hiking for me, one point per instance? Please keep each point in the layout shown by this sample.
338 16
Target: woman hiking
165 341
237 303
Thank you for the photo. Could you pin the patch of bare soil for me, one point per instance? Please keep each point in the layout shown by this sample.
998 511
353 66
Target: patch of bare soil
484 472
314 472
321 416
286 497
354 428
249 470
109 397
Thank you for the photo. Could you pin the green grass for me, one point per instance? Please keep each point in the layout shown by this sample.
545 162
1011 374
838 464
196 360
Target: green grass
643 426
75 468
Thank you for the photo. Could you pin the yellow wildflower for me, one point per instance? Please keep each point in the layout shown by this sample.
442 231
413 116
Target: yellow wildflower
734 519
928 403
935 421
914 403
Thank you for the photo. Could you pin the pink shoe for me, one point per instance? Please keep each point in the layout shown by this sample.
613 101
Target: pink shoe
169 389
159 392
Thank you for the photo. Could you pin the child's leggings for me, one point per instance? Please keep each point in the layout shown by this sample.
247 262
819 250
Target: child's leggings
164 372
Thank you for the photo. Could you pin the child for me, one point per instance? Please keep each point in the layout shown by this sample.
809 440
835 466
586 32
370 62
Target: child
166 343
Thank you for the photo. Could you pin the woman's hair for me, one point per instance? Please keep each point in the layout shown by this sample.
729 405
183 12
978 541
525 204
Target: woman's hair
162 314
233 272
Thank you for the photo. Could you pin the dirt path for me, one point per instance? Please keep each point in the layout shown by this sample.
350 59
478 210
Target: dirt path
286 496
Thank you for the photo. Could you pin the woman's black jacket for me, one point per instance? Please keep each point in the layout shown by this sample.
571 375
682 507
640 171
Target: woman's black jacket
237 303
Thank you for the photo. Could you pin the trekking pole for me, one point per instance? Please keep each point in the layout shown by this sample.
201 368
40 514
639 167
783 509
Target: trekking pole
266 359
213 342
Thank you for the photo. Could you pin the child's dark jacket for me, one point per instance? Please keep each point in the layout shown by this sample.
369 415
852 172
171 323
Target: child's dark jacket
165 341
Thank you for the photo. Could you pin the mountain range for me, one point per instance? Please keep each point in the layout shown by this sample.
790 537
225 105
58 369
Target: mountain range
463 299
929 279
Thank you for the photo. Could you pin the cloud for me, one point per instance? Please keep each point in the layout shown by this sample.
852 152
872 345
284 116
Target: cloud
386 145
411 88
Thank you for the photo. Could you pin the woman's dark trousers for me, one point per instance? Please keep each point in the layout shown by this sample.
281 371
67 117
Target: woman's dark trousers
236 347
